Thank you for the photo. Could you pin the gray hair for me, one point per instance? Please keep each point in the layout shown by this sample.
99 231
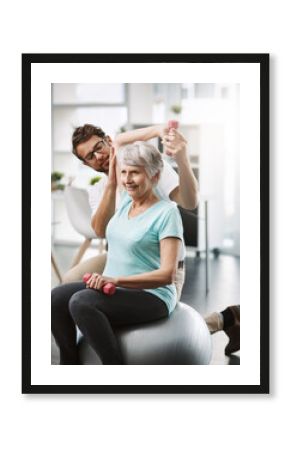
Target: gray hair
141 154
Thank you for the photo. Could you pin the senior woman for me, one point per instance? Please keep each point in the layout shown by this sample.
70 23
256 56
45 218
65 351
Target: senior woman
143 243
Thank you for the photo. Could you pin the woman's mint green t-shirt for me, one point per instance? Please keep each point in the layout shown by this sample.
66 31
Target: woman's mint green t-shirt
134 244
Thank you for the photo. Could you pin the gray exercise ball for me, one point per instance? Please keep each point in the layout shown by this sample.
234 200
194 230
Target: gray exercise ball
183 338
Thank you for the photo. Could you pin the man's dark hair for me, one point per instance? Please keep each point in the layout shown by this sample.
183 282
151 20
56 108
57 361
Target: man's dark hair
83 134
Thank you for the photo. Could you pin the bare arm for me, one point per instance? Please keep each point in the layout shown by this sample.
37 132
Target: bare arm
106 208
107 204
148 280
186 194
141 134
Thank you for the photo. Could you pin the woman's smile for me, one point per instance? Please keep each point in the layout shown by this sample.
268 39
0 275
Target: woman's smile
135 180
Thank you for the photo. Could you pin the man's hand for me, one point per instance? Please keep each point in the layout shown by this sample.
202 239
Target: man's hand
175 145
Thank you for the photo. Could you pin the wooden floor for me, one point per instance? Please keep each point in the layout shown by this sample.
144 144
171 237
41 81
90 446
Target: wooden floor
224 283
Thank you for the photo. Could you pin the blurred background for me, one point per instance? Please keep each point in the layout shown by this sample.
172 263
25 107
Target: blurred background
208 114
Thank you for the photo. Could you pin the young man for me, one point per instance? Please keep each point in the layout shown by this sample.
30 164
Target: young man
92 146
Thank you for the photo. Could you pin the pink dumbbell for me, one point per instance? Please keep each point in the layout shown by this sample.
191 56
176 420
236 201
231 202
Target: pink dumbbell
173 124
108 289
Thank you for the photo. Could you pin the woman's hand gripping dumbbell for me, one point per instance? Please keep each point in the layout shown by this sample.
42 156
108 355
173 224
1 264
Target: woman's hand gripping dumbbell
108 288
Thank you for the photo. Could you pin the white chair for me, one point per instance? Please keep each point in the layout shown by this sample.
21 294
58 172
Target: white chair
79 213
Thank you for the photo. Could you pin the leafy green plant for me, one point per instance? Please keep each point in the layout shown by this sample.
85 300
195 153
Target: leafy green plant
55 181
56 176
176 109
122 129
94 180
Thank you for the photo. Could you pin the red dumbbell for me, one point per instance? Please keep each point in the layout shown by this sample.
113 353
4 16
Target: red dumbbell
108 289
173 124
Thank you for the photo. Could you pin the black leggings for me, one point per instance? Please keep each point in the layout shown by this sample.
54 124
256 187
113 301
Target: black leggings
96 314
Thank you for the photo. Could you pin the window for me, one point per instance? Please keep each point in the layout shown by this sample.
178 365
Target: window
72 94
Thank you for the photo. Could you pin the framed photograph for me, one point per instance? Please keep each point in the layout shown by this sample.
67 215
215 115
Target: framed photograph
208 116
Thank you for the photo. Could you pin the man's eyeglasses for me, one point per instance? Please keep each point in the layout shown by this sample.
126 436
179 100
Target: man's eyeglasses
98 148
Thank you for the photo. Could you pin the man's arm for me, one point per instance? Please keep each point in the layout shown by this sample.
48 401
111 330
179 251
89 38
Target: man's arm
141 134
186 194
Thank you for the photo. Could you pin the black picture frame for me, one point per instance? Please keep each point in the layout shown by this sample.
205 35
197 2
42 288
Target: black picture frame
248 58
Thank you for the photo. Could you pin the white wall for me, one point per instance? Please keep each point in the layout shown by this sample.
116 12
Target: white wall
140 104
